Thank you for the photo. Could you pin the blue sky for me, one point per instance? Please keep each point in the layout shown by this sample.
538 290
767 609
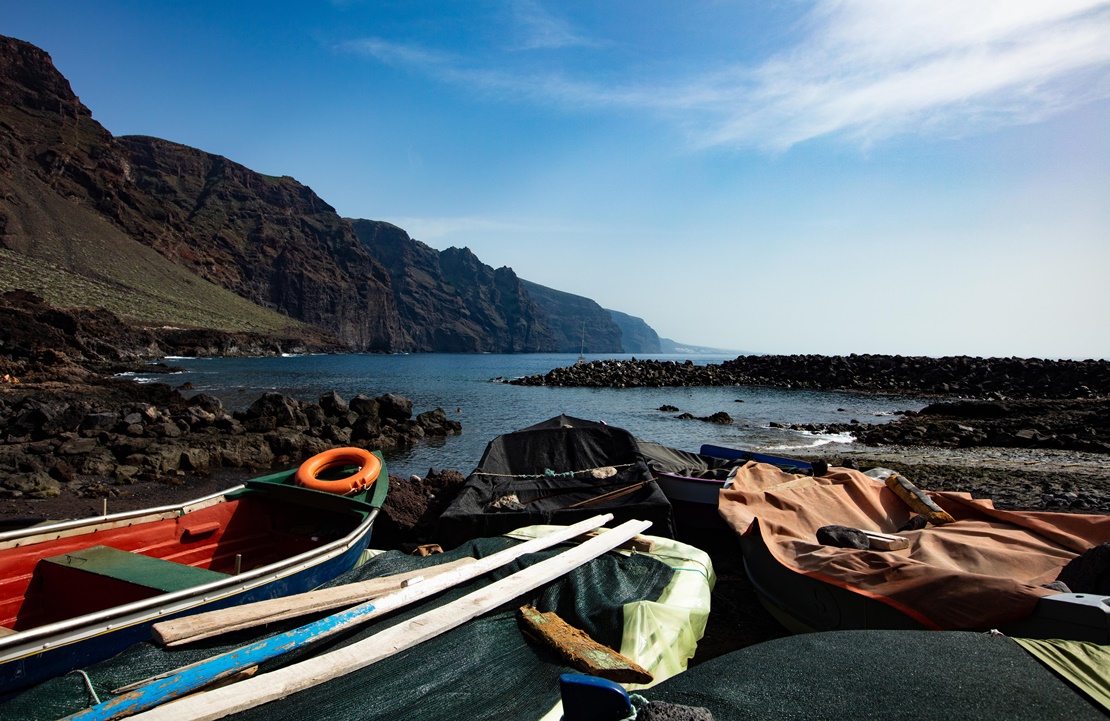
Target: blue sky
918 177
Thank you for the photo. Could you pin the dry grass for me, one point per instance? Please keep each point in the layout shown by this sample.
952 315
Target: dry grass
170 296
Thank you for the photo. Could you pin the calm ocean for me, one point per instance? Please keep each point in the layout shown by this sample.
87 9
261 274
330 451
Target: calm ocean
461 385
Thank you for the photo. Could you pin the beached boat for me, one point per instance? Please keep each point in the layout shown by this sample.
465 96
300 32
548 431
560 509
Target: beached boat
693 481
872 675
76 592
651 604
559 471
987 569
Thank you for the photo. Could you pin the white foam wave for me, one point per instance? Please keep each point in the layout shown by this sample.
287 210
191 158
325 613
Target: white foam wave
813 441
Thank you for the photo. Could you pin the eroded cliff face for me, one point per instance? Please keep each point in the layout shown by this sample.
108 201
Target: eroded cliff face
271 240
70 194
580 324
450 301
186 236
636 335
59 168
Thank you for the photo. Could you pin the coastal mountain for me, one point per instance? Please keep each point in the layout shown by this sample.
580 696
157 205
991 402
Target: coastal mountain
450 301
579 324
636 335
162 234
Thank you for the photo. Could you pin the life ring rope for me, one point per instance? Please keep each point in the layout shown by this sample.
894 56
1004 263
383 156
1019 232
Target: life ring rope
369 466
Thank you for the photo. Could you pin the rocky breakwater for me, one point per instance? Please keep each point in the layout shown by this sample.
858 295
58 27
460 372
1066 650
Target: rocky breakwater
94 448
1071 424
993 378
1003 402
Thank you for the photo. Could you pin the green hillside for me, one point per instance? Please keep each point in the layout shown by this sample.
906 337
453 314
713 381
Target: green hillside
185 300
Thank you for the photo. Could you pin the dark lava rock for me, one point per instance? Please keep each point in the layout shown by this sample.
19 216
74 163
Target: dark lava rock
333 404
997 378
206 402
842 537
148 442
394 406
273 405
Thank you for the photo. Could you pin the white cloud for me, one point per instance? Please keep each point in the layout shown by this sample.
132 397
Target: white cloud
871 69
540 29
865 69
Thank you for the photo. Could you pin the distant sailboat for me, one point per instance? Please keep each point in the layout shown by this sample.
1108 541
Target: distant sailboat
582 346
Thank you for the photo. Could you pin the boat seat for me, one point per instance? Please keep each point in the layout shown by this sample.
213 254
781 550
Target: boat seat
132 573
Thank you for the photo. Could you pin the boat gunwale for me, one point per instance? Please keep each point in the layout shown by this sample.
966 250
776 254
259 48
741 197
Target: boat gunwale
15 645
91 524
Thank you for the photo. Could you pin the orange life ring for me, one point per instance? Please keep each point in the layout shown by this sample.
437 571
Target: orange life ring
368 463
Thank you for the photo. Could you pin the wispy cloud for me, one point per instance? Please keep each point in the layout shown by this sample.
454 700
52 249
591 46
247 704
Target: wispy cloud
862 69
871 69
540 29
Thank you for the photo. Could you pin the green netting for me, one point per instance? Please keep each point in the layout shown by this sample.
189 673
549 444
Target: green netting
880 675
483 670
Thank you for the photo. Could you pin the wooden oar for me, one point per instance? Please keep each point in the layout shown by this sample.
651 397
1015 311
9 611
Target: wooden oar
188 679
210 705
178 631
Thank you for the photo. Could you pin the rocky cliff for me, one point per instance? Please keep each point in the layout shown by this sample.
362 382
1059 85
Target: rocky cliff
270 240
636 335
95 207
579 324
63 179
163 234
450 301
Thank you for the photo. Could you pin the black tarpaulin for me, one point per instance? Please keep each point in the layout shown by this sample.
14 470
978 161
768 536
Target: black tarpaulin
539 474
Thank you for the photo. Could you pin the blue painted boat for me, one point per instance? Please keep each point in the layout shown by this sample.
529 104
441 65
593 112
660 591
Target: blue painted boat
692 482
77 592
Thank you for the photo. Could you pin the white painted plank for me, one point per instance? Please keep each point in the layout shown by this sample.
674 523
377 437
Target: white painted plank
278 684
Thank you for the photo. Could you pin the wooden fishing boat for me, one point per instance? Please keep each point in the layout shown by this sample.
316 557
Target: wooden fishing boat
692 482
76 592
701 482
555 472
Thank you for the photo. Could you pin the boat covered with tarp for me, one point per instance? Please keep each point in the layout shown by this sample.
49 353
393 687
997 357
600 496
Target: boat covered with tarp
650 605
692 482
897 675
559 471
986 569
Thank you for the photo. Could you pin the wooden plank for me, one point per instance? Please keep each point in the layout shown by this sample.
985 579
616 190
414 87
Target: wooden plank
643 544
579 650
187 679
132 568
886 541
918 500
180 631
278 684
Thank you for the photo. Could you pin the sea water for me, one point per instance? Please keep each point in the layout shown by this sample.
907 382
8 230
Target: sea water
465 387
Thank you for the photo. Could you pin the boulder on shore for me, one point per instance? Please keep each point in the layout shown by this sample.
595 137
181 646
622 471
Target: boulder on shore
51 445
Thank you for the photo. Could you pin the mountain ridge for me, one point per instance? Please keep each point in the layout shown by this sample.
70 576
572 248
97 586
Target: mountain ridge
163 233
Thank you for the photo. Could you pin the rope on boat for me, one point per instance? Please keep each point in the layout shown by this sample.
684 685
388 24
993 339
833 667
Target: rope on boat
548 473
88 685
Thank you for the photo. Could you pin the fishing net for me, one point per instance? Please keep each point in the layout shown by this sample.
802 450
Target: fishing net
880 675
484 669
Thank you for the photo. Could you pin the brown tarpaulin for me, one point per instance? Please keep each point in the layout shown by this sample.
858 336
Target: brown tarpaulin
982 571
